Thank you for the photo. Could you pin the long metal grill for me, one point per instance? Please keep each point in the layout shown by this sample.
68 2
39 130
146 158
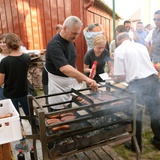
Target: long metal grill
93 118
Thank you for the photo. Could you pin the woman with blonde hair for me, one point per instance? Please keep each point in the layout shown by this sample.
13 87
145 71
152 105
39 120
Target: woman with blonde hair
99 54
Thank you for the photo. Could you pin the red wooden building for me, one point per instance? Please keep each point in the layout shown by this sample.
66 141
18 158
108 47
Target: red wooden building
35 20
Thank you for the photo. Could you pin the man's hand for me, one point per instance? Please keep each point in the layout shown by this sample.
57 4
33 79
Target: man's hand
118 79
92 83
132 29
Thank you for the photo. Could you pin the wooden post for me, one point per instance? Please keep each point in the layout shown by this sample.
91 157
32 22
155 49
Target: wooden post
6 152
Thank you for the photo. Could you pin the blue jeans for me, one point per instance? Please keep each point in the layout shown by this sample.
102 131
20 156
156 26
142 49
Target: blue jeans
1 94
23 101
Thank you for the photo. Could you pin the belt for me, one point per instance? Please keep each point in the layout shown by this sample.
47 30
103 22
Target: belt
142 80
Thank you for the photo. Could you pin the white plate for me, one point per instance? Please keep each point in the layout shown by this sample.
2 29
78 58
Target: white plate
105 76
32 52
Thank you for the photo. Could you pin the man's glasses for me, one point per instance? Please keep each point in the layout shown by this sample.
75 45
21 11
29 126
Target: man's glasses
156 19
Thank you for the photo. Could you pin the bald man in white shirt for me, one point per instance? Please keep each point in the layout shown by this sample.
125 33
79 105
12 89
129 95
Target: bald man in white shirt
132 63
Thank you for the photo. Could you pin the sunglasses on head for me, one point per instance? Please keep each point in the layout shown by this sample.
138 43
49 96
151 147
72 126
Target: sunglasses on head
156 19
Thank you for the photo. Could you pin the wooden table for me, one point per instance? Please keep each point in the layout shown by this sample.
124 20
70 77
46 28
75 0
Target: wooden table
98 153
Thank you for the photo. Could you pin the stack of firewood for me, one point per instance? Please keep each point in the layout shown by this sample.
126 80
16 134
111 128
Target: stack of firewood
35 69
35 76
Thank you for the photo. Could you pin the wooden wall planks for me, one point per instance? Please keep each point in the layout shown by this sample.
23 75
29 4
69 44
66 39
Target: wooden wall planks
35 21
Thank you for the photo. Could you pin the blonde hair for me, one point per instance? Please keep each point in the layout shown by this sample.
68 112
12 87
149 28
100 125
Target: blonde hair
99 39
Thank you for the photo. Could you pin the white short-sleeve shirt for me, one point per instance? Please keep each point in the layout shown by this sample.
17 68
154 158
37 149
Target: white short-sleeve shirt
132 60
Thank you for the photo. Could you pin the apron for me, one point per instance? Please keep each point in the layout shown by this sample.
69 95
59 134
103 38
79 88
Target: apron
58 84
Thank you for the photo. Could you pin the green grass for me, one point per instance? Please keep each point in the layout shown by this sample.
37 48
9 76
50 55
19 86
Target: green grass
39 92
149 152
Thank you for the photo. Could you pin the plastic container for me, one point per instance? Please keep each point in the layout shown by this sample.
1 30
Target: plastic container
10 128
93 72
20 155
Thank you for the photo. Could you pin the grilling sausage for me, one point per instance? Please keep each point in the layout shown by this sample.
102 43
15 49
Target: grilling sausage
67 118
82 100
79 98
55 116
52 121
6 116
63 127
61 115
67 114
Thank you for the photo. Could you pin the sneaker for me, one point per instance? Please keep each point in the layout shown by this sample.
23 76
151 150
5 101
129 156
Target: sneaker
22 146
155 144
131 147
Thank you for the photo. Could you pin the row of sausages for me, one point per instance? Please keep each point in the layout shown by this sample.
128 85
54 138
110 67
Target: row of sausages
60 118
82 100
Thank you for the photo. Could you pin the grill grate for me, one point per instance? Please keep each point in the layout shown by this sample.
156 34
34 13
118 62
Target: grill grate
98 117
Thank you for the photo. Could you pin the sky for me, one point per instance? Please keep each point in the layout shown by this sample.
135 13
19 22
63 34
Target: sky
125 8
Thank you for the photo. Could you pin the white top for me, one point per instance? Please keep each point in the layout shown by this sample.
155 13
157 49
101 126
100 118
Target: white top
148 38
112 46
131 35
1 56
132 60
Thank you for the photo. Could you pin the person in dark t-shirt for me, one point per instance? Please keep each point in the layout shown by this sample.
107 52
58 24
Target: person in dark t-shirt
99 54
60 62
13 74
